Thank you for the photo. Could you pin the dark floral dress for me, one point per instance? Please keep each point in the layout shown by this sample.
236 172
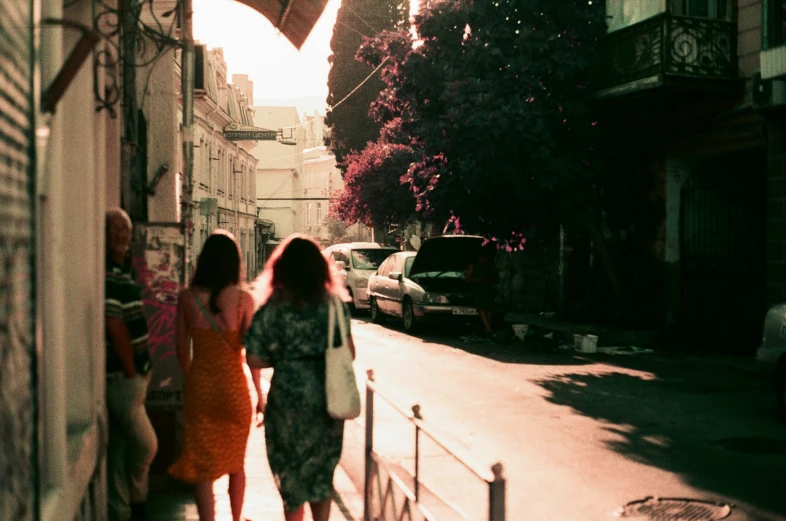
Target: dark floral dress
303 443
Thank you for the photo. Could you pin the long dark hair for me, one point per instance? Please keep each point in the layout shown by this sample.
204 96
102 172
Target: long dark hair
218 265
298 272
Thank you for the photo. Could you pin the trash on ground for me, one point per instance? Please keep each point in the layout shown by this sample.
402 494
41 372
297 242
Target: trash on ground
549 335
474 339
625 350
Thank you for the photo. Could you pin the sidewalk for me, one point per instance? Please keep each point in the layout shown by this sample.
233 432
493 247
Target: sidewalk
263 502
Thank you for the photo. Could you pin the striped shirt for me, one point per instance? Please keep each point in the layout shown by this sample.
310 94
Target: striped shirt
124 300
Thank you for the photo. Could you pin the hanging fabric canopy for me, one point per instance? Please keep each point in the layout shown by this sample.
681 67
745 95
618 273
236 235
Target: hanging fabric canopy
294 18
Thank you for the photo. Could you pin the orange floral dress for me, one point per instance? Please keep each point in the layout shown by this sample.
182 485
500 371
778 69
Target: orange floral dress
216 409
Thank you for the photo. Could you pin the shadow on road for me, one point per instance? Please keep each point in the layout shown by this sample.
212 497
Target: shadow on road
673 416
535 352
516 353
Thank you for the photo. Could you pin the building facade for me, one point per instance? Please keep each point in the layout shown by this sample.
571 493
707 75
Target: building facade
697 162
297 178
279 169
60 170
224 170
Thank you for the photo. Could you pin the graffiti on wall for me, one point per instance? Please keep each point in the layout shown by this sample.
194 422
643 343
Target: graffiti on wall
157 261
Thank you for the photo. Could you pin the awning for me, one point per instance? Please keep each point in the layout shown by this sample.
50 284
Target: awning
294 18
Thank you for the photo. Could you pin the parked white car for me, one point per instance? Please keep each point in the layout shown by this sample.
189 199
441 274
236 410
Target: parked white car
428 284
354 263
771 356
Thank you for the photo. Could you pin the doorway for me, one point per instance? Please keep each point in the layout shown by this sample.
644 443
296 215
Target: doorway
723 253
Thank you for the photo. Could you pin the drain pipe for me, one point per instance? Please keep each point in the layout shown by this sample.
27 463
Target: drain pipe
187 129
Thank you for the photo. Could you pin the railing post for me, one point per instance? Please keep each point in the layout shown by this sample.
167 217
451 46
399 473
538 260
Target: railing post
417 416
369 446
497 494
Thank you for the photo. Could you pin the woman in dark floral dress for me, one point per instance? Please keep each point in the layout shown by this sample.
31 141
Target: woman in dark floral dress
289 333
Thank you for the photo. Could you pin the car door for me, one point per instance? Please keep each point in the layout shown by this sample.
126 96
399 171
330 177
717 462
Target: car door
383 285
396 286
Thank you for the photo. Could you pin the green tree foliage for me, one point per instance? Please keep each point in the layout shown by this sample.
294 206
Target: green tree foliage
373 192
350 125
496 100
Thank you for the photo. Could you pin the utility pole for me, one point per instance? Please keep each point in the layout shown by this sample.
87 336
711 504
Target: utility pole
187 130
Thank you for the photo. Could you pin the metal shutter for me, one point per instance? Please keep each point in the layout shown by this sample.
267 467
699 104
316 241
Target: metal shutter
16 272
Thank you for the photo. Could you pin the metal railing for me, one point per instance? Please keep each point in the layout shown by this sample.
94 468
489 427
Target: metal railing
670 45
392 499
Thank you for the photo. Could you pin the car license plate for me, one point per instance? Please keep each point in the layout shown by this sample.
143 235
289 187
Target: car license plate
465 311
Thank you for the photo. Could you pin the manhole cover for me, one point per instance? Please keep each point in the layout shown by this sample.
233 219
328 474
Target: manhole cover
674 509
754 445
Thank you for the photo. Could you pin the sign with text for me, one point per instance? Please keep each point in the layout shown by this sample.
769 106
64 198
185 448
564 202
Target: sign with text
237 132
250 135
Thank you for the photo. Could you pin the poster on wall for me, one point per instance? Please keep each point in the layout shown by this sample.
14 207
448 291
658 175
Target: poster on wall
158 263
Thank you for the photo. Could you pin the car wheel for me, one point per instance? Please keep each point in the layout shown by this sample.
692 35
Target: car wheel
780 388
408 316
376 315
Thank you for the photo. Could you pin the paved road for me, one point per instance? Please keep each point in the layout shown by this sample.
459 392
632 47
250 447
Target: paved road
579 435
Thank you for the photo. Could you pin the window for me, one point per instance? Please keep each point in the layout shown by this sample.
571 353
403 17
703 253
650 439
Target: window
341 256
384 268
369 259
774 27
308 217
624 13
221 174
408 265
718 9
319 214
232 179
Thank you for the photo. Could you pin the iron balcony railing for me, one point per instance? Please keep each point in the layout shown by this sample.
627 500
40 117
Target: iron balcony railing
670 46
389 497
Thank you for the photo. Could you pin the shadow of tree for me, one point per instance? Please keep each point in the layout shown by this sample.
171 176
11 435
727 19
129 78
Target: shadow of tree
673 416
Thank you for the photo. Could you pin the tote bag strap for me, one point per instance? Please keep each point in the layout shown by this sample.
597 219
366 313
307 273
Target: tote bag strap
336 315
342 326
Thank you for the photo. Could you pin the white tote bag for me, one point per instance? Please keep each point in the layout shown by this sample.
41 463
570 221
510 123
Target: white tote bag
343 397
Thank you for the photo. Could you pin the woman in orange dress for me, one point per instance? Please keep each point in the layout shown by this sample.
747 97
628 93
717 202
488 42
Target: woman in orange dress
215 313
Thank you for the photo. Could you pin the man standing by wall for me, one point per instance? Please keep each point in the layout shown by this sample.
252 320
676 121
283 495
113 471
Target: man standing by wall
132 440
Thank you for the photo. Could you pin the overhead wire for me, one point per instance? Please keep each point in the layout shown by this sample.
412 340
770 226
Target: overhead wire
330 109
376 31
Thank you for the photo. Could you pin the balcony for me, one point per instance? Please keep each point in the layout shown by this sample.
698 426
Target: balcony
669 50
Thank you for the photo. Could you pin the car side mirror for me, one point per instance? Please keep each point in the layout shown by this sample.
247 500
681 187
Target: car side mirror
395 275
341 265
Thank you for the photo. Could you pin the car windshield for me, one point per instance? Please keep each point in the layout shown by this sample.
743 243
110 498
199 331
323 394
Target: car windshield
369 259
408 265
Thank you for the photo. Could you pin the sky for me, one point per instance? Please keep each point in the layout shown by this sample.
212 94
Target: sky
282 75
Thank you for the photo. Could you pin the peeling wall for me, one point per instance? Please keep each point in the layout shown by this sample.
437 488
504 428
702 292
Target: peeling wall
158 263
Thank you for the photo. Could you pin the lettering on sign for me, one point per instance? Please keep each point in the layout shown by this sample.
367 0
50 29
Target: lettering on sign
250 135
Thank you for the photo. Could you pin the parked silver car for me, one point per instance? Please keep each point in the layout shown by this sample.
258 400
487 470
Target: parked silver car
354 263
429 283
771 356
